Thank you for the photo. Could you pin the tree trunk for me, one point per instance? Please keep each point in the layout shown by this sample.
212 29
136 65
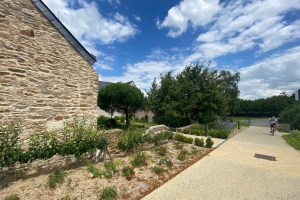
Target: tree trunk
127 119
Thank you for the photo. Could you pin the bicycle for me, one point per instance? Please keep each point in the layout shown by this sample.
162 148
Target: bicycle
273 129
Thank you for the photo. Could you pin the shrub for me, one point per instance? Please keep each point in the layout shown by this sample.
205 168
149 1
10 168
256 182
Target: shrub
101 121
10 149
58 176
131 139
209 143
165 161
182 138
186 131
111 167
139 159
223 134
182 155
291 115
108 193
128 172
12 197
122 119
157 138
117 118
178 145
110 123
162 150
92 168
199 142
158 169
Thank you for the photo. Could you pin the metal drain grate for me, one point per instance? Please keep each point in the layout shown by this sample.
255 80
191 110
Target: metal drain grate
266 157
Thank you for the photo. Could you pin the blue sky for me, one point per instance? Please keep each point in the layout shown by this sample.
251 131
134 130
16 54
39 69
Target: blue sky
141 39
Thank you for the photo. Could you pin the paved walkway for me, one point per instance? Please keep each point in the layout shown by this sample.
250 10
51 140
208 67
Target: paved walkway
232 171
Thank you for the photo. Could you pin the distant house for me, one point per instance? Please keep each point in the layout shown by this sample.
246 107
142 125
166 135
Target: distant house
46 75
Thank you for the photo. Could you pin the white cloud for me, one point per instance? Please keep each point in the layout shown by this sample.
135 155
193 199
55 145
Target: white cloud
280 72
114 2
87 24
243 25
137 18
194 12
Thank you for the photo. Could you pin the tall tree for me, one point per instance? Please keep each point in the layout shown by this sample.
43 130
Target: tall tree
229 88
121 97
192 95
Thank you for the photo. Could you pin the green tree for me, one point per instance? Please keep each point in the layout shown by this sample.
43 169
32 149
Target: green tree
229 88
121 97
193 95
291 115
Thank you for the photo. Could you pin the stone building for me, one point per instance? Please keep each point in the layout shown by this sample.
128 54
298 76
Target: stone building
46 75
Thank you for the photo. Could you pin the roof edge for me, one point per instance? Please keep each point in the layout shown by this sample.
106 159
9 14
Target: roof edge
64 31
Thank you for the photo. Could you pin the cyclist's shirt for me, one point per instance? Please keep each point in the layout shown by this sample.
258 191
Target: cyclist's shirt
272 121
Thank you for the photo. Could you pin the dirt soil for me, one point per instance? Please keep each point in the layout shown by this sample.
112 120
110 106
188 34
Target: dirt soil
78 184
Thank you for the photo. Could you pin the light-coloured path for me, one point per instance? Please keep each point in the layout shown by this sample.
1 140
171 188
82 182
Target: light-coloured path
232 172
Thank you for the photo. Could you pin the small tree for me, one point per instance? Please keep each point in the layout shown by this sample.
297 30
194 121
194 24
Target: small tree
291 115
121 97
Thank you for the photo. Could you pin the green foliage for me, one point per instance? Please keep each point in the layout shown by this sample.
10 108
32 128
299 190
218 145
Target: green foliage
209 143
291 115
131 139
165 161
157 138
223 134
197 93
139 159
106 122
182 138
121 97
271 106
10 149
12 197
57 176
128 172
75 139
108 193
161 151
178 145
93 169
293 139
158 169
122 119
199 142
182 155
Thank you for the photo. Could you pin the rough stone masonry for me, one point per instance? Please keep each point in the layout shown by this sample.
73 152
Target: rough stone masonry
44 80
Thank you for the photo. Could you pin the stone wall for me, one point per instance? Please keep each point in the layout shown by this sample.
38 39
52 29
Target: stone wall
43 79
142 113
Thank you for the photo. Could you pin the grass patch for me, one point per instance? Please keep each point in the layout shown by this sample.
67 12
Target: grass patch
293 139
244 124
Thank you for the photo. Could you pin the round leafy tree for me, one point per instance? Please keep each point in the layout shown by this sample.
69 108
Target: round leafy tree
121 97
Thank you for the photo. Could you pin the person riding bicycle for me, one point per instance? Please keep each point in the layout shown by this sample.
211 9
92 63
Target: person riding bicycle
272 123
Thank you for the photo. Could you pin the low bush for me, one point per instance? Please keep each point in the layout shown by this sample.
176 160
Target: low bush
199 142
58 176
182 155
128 172
139 159
222 134
12 197
108 193
93 169
131 139
161 151
182 138
122 119
158 169
209 143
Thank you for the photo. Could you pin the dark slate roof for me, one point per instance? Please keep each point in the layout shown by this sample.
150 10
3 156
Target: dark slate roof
64 31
